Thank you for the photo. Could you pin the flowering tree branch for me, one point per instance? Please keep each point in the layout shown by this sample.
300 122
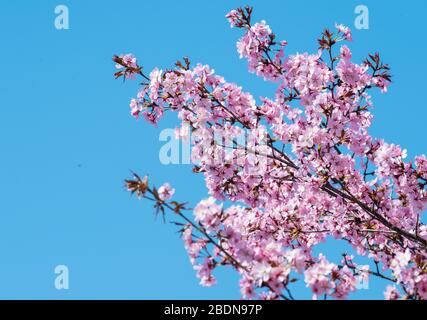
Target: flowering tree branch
306 168
141 188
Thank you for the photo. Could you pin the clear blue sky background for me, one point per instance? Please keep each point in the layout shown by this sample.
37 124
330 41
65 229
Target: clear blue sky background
67 140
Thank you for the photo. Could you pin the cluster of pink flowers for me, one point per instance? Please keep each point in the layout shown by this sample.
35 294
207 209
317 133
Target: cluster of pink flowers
391 293
326 278
208 213
127 66
194 248
317 172
345 31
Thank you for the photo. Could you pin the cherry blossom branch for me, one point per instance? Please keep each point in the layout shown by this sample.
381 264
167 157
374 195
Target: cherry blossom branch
374 273
141 188
338 182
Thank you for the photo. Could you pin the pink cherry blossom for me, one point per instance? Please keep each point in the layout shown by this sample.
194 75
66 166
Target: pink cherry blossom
345 31
232 17
129 60
208 213
127 64
391 293
286 173
166 192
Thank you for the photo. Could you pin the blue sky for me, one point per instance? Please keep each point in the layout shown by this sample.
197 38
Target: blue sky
67 140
